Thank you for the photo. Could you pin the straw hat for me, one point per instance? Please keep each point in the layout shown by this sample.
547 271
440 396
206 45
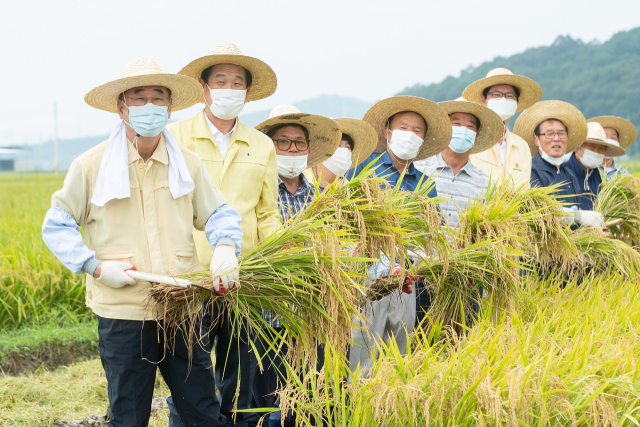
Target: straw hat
324 133
264 80
569 115
491 126
530 91
144 71
596 135
364 138
438 124
627 132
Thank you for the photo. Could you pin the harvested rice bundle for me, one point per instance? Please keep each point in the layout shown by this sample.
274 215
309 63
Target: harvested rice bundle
455 284
600 254
619 198
296 274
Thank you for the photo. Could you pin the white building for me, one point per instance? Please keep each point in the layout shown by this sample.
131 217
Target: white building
15 160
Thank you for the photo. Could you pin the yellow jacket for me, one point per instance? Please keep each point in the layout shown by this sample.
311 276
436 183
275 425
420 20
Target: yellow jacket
518 159
150 229
247 176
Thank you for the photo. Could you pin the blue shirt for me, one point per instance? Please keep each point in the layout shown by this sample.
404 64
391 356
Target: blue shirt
544 174
384 168
291 204
589 183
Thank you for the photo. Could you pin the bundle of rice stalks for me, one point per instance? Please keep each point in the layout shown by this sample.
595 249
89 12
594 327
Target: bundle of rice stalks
296 274
455 284
380 222
600 254
619 198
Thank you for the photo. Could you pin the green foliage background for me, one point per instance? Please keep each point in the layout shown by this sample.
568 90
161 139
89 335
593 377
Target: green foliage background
598 78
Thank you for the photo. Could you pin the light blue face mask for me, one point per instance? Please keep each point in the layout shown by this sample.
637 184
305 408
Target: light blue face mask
462 139
149 119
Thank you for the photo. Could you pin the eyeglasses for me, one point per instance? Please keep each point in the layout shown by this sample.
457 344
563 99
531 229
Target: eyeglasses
497 95
139 101
285 144
550 135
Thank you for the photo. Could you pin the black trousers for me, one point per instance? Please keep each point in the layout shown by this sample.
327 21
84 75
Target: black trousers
234 371
131 352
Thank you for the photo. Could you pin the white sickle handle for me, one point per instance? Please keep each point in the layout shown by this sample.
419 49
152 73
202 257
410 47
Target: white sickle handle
156 278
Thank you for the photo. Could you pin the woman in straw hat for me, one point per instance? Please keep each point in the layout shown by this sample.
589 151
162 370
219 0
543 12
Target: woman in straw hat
357 143
409 129
301 141
138 197
552 129
587 160
506 94
242 163
620 132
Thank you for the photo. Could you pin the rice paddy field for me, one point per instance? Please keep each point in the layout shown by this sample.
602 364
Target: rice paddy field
566 354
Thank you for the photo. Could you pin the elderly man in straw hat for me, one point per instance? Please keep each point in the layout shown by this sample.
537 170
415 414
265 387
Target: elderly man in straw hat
475 128
301 141
357 143
587 160
409 129
138 197
621 133
242 163
506 94
552 129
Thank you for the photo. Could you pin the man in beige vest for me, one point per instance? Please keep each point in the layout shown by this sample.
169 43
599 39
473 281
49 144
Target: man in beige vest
505 94
138 197
242 163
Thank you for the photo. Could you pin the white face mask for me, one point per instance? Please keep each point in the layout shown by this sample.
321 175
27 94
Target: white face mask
556 161
291 166
405 144
340 162
612 142
591 159
503 107
226 104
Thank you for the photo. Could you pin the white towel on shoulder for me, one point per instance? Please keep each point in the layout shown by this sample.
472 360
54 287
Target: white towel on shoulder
113 176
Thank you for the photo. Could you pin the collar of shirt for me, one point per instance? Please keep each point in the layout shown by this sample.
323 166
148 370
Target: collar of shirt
222 141
468 168
159 155
305 185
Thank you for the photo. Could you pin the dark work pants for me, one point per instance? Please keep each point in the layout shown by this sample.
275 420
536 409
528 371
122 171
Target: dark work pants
235 366
423 300
131 352
274 372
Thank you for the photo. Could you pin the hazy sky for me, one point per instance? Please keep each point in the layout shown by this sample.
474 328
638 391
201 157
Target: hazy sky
56 51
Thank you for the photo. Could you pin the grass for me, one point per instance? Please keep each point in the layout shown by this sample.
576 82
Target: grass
68 393
568 356
48 344
32 280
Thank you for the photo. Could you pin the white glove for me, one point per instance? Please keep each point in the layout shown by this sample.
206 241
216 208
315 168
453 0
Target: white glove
592 219
224 265
416 255
113 274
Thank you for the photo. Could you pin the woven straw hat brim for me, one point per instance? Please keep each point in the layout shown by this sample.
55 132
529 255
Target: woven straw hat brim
324 133
491 125
185 91
627 132
364 138
572 118
438 124
264 81
612 150
530 91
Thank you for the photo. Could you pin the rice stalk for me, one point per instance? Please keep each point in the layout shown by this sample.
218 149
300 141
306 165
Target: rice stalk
619 198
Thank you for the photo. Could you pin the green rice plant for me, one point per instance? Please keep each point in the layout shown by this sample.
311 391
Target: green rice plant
567 357
32 280
619 198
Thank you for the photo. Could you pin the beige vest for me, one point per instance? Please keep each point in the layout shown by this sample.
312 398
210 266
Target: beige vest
518 162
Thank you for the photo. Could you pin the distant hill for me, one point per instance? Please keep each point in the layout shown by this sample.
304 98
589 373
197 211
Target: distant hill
324 105
598 78
41 155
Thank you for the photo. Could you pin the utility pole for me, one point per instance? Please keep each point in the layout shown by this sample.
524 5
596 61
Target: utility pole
55 138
